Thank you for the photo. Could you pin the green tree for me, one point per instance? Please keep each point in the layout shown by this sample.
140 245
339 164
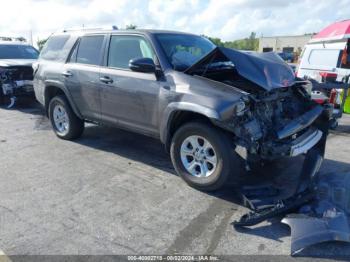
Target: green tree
41 43
250 43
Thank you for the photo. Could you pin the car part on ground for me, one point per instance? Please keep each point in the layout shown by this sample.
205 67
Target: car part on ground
318 212
308 229
324 219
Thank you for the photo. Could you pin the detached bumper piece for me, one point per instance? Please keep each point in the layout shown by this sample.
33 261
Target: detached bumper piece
317 221
307 230
266 211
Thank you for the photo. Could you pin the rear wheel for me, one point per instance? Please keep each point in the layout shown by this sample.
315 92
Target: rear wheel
203 156
65 123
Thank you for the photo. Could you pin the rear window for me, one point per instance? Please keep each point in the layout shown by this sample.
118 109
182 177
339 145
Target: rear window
89 50
18 52
54 48
324 57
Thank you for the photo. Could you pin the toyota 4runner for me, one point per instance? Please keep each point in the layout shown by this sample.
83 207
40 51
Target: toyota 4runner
202 101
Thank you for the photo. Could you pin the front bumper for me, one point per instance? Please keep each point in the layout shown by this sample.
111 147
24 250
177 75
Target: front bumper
306 143
19 87
291 147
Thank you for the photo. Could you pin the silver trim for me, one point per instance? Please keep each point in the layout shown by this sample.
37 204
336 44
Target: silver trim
306 144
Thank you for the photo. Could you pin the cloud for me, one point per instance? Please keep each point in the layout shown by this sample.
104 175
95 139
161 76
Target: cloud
227 19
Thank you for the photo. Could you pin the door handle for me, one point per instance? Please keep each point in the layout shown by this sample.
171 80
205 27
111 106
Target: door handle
67 73
106 79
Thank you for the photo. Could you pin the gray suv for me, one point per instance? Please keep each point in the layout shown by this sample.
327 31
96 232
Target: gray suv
202 101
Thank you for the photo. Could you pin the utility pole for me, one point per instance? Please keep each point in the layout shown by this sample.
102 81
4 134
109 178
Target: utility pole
31 37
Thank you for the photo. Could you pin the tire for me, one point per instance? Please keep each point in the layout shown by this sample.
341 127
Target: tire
67 125
223 148
2 98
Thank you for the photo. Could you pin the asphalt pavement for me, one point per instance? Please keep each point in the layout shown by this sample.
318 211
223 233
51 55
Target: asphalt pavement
115 192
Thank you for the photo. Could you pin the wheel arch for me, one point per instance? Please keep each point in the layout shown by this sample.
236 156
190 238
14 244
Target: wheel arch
178 114
53 89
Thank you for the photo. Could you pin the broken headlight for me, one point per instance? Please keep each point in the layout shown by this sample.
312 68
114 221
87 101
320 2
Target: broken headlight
240 108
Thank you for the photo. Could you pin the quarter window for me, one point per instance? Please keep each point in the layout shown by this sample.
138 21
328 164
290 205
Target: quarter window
124 48
54 48
89 50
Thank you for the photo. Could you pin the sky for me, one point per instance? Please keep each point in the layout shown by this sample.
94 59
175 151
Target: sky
226 19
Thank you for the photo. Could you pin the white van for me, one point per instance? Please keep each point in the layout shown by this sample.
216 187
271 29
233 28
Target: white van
327 52
326 58
321 59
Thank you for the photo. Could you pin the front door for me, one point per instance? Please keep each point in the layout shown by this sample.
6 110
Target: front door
129 98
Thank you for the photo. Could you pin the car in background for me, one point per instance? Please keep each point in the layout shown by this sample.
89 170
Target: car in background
16 72
286 56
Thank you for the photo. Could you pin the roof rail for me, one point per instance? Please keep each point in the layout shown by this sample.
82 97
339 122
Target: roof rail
90 29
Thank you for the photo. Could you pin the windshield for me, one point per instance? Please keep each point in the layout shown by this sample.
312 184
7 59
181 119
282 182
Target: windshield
184 50
18 52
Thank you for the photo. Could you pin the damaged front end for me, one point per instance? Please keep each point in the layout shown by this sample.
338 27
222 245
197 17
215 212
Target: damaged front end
277 124
277 117
15 81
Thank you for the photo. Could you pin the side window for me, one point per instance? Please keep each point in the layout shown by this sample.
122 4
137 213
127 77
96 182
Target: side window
89 50
124 48
54 48
324 57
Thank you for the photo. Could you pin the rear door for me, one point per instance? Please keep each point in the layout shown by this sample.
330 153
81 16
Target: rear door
81 74
130 98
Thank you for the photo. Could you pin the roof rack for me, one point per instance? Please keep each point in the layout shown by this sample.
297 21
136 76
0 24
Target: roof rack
113 27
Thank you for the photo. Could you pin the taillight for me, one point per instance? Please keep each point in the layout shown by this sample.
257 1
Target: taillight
328 76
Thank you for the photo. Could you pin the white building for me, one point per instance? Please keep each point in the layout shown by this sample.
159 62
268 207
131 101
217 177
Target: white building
289 44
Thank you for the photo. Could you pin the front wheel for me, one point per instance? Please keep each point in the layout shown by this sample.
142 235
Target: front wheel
203 156
65 123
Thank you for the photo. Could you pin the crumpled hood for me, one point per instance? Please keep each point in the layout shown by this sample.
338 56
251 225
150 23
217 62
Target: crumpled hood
16 62
267 70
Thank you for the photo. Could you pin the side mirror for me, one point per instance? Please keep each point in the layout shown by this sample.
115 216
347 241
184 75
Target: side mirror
144 65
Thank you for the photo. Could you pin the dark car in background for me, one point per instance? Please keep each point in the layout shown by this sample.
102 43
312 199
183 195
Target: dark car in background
16 73
287 56
202 101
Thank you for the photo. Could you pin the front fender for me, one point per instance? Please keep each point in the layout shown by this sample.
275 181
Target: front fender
170 110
